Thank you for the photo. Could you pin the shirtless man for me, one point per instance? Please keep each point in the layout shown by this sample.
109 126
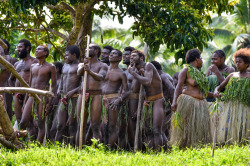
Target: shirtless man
218 71
168 92
40 75
96 73
134 88
175 79
56 101
114 80
154 95
23 69
69 87
105 54
4 76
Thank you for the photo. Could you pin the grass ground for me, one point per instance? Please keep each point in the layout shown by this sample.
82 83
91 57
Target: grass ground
56 155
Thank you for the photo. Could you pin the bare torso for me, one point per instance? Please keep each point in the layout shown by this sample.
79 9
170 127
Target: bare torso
155 87
41 75
70 78
192 89
23 68
93 84
113 81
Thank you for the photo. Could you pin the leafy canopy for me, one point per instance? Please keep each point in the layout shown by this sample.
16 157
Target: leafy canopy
178 24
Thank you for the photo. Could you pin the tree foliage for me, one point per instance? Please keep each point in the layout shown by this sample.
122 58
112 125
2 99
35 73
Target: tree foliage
178 24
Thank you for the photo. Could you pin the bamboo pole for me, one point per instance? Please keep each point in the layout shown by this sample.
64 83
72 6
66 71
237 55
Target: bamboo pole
138 117
25 90
139 108
83 98
11 68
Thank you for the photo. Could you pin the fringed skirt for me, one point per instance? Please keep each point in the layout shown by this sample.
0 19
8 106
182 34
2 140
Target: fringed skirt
214 118
193 126
234 123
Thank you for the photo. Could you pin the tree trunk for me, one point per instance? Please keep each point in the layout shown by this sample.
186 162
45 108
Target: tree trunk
5 123
86 28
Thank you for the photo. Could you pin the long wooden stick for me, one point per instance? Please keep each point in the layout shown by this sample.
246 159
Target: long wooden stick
11 68
83 98
25 90
138 117
214 137
139 108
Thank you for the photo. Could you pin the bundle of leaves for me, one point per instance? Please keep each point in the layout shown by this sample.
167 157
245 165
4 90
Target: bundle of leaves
238 89
199 78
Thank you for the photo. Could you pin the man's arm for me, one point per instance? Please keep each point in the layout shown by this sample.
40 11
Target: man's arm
222 85
181 80
53 79
124 95
169 86
80 70
12 78
148 75
101 75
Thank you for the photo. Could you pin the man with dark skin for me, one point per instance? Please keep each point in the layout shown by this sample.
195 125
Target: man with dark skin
152 83
168 91
69 87
175 79
4 76
105 54
114 80
133 97
23 69
40 75
218 69
56 101
96 73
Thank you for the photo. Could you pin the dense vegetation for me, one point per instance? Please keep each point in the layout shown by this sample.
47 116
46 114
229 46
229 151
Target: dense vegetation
56 155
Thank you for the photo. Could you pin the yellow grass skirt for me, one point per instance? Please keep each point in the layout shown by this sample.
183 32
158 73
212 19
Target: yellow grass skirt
194 125
234 123
214 118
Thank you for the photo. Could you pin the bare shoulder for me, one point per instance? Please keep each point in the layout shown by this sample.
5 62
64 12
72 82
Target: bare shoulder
51 66
103 66
230 69
149 66
15 64
34 60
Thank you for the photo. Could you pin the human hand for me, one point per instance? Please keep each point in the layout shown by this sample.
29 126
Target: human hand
114 104
217 94
70 94
131 70
47 109
63 100
174 106
214 68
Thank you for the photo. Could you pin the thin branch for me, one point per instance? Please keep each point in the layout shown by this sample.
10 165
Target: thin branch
63 7
26 90
52 42
41 30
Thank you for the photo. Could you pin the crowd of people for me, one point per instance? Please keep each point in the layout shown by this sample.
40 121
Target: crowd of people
175 110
